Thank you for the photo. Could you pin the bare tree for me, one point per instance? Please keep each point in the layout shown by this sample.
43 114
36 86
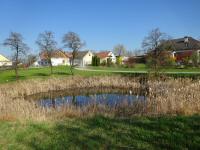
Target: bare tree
159 47
153 40
72 41
47 45
119 50
16 44
151 44
30 59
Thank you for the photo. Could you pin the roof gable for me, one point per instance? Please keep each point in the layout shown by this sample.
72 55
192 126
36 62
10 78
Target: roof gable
54 54
103 54
81 54
3 58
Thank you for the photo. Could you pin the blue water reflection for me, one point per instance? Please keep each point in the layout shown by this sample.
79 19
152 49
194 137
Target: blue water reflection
108 99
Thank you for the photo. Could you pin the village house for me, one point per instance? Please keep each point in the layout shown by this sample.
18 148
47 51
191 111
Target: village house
5 62
184 48
83 58
104 55
58 58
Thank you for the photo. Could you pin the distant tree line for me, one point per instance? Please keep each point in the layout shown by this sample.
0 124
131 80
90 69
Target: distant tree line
46 43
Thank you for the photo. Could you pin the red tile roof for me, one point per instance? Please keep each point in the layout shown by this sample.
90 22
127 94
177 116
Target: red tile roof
55 54
68 54
103 54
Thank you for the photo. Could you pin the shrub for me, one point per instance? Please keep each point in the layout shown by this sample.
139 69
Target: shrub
119 60
130 63
195 59
104 63
162 59
95 61
109 62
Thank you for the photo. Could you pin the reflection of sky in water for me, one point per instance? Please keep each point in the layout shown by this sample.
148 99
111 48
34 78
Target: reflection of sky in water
83 100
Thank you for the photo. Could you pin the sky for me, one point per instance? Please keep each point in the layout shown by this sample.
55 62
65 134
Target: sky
100 23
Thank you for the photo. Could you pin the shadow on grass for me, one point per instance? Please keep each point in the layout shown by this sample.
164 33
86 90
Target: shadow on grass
110 133
62 73
13 78
54 73
41 74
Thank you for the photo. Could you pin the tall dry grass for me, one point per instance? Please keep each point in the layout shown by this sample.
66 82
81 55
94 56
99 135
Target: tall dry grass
169 96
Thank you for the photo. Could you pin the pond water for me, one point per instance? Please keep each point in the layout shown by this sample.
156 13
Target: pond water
84 97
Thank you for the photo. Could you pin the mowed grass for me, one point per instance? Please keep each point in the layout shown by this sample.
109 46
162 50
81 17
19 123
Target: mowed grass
137 67
32 73
143 67
103 133
59 71
64 71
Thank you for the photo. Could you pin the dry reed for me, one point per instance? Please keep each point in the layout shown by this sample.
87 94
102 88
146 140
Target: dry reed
170 96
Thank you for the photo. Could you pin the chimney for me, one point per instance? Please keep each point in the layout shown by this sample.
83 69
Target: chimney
186 40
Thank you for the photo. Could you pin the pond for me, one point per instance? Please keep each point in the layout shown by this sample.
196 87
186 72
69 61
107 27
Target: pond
84 97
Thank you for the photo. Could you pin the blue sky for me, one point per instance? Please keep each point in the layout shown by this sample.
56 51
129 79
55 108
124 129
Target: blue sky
101 23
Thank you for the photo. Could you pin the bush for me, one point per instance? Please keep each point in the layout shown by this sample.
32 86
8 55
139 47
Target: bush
195 59
161 59
119 60
95 61
130 63
104 63
109 62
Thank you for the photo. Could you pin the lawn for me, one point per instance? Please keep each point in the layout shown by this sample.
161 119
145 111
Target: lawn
103 133
63 71
137 67
98 132
32 73
143 67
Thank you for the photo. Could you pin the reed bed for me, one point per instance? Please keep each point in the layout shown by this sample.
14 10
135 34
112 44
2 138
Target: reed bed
169 96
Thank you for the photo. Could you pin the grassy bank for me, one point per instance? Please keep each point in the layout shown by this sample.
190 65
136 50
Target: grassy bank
103 133
25 125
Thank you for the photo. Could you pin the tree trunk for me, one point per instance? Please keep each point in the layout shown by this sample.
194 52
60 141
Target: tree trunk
71 70
16 63
51 69
16 72
51 66
72 66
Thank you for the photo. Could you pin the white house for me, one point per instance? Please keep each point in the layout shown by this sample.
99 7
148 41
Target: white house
83 58
104 55
5 62
58 57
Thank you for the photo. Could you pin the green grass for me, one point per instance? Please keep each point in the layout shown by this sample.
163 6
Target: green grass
103 133
143 67
138 67
33 73
64 71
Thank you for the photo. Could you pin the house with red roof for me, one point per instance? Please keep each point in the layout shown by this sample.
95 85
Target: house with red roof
104 55
183 48
58 57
